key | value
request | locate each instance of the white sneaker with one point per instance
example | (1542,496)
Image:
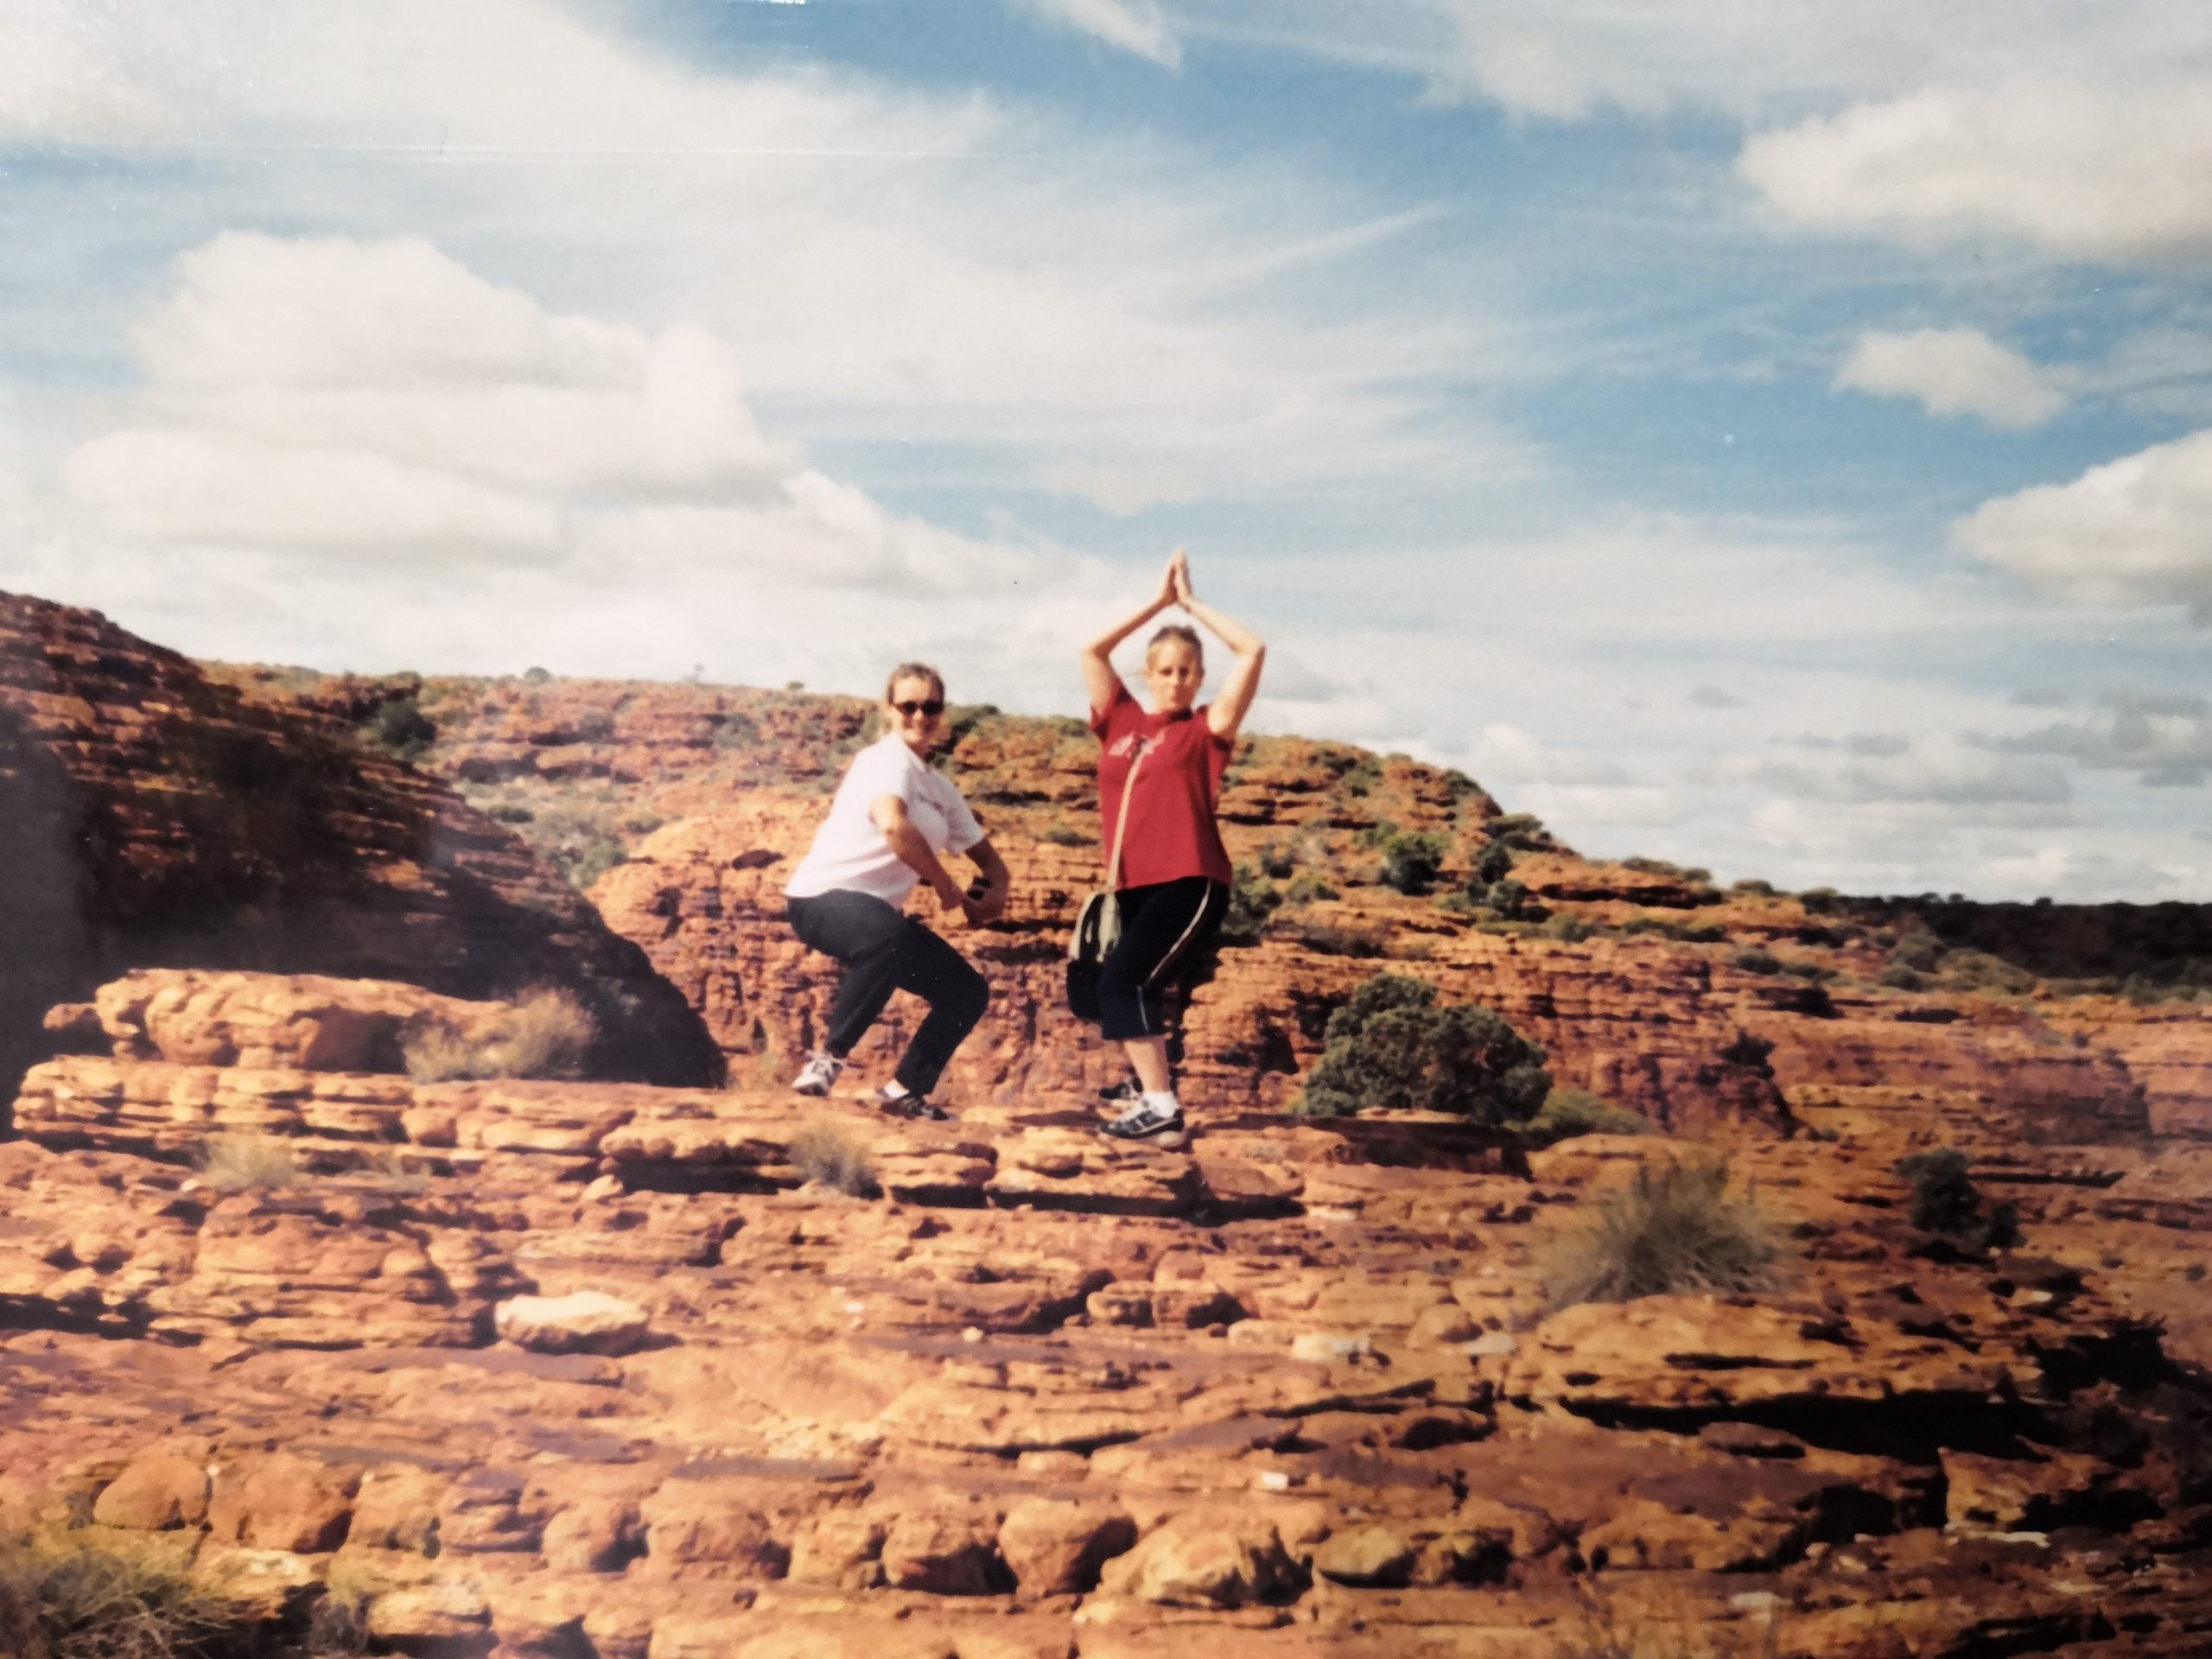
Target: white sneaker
(1151,1123)
(821,1072)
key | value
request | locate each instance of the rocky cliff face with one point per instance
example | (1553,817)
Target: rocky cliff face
(151,817)
(533,1369)
(525,1369)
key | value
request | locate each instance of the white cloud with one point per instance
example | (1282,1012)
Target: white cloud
(1953,371)
(2105,172)
(1938,770)
(1512,756)
(2136,531)
(1142,27)
(381,400)
(1123,491)
(884,263)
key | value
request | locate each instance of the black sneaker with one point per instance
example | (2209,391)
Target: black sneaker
(1126,1092)
(904,1103)
(1147,1125)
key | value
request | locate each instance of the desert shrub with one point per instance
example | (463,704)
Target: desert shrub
(1412,860)
(642,824)
(1494,863)
(546,1033)
(1804,967)
(1066,835)
(1675,1229)
(1898,977)
(1977,970)
(1523,831)
(1305,888)
(1946,1202)
(1252,899)
(1819,901)
(736,732)
(64,1597)
(509,812)
(1568,1112)
(241,1163)
(835,1155)
(1374,834)
(1498,901)
(1752,886)
(1755,960)
(1276,860)
(1333,939)
(535,676)
(1572,929)
(1392,1047)
(595,859)
(400,726)
(1918,951)
(1651,865)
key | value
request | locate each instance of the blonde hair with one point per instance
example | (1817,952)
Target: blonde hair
(1189,636)
(915,671)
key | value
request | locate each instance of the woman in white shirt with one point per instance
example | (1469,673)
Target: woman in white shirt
(891,823)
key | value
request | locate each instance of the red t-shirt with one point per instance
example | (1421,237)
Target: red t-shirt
(1171,833)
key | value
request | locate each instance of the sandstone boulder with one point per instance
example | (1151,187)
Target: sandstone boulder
(582,1322)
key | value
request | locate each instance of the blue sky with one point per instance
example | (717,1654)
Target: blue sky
(1746,434)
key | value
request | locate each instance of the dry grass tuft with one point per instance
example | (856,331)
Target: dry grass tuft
(63,1596)
(1675,1229)
(835,1155)
(386,1168)
(242,1163)
(546,1035)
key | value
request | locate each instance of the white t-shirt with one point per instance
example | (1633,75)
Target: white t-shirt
(850,854)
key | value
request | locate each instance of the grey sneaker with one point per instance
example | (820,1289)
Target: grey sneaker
(1147,1124)
(819,1075)
(1126,1092)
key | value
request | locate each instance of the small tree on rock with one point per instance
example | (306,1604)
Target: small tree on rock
(1392,1047)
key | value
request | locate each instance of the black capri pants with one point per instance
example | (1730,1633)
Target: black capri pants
(1166,929)
(884,950)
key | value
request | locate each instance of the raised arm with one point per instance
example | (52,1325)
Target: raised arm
(1227,711)
(1099,678)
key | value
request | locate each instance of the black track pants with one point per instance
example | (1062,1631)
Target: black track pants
(1165,930)
(884,950)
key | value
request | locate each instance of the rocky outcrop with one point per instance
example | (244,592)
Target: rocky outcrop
(150,816)
(558,1368)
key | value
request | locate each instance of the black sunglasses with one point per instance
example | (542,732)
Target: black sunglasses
(931,706)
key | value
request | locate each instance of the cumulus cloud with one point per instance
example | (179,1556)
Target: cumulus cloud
(1935,772)
(2136,531)
(2166,741)
(1953,371)
(1711,696)
(1513,756)
(1142,27)
(380,400)
(2120,172)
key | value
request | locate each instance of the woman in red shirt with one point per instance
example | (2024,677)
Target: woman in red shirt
(1172,884)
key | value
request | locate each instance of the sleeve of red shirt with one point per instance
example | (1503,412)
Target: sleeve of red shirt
(1225,744)
(1103,719)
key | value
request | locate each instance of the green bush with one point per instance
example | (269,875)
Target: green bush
(1571,928)
(1675,1230)
(1946,1202)
(401,726)
(1392,1047)
(1493,864)
(1570,1112)
(1523,831)
(1305,888)
(1755,960)
(1252,899)
(1753,886)
(1898,977)
(1819,901)
(1412,861)
(1277,861)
